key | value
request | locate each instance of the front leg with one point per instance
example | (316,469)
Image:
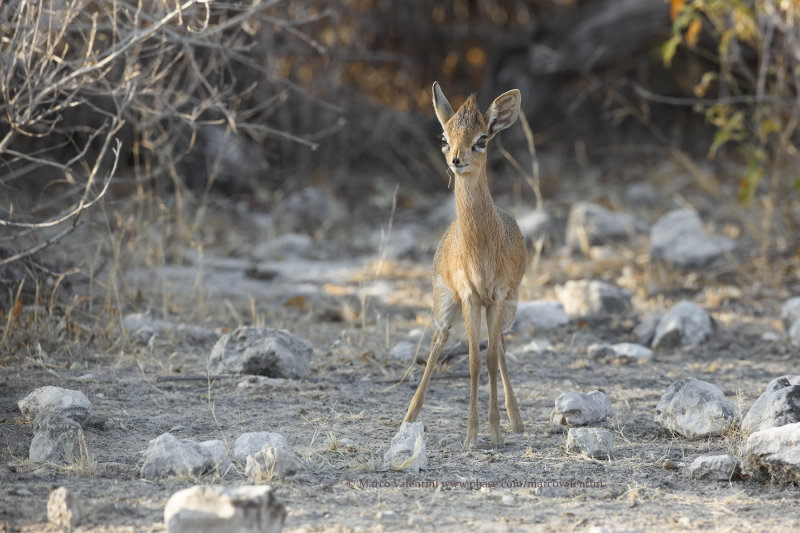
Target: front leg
(472,318)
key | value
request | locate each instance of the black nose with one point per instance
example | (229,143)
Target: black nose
(456,161)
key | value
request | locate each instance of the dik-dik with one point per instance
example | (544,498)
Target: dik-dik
(480,259)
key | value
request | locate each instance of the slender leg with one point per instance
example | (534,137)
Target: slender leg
(494,314)
(512,408)
(439,338)
(472,318)
(445,309)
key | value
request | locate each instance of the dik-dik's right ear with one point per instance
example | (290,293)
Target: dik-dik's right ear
(444,111)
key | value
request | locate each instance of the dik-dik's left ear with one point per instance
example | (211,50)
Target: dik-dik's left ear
(444,111)
(503,112)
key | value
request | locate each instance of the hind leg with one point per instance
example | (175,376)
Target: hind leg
(512,408)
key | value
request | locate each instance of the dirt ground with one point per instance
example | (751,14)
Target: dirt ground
(354,301)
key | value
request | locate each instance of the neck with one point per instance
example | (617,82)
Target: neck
(475,211)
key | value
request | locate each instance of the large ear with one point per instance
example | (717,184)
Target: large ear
(503,112)
(444,111)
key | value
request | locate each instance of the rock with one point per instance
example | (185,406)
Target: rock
(790,312)
(684,324)
(168,455)
(310,210)
(218,453)
(600,350)
(64,508)
(770,336)
(776,452)
(596,443)
(646,330)
(536,225)
(144,328)
(55,439)
(695,409)
(679,238)
(794,332)
(539,314)
(590,224)
(593,300)
(632,352)
(250,443)
(407,450)
(538,346)
(777,406)
(263,351)
(272,462)
(714,467)
(263,382)
(581,408)
(245,509)
(641,194)
(404,352)
(56,401)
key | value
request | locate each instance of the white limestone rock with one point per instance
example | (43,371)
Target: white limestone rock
(685,324)
(262,351)
(56,401)
(592,224)
(593,300)
(695,409)
(407,450)
(790,312)
(539,315)
(581,408)
(596,443)
(272,462)
(720,467)
(55,439)
(245,509)
(776,452)
(678,238)
(250,443)
(64,508)
(168,455)
(777,406)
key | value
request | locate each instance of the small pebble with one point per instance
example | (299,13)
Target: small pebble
(669,465)
(24,492)
(508,499)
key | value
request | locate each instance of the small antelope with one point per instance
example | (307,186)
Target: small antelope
(480,259)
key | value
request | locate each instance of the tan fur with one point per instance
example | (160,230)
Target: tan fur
(479,262)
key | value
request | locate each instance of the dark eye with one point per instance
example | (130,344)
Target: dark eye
(480,143)
(444,140)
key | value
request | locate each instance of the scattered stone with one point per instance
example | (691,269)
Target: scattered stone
(404,352)
(272,462)
(508,499)
(794,332)
(538,346)
(679,238)
(593,300)
(641,194)
(695,409)
(628,351)
(670,465)
(250,443)
(596,443)
(776,452)
(144,328)
(590,224)
(790,312)
(168,455)
(245,509)
(714,468)
(263,351)
(770,336)
(56,401)
(685,324)
(24,492)
(600,350)
(646,330)
(539,314)
(407,450)
(55,439)
(581,408)
(310,210)
(64,508)
(777,406)
(536,225)
(218,453)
